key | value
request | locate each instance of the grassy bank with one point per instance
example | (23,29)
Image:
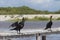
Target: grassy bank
(34,19)
(58,18)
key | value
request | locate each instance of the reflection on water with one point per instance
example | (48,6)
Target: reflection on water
(4,26)
(25,38)
(53,37)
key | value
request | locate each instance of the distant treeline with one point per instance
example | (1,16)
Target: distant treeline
(23,10)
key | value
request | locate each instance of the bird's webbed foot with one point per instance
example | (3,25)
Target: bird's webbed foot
(20,33)
(50,30)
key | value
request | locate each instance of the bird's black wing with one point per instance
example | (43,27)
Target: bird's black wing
(13,24)
(49,24)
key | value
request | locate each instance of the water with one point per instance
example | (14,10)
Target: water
(4,26)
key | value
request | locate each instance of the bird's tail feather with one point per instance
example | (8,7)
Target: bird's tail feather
(11,29)
(45,28)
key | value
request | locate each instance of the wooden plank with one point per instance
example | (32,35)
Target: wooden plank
(30,33)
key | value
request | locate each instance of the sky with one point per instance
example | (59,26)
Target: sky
(50,5)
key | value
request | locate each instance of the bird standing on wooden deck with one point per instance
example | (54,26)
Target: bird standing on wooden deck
(18,26)
(49,24)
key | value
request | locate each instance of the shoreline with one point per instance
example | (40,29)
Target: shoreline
(11,17)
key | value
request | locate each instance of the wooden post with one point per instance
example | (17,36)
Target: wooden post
(43,37)
(38,36)
(4,38)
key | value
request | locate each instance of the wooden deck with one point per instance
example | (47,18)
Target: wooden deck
(30,32)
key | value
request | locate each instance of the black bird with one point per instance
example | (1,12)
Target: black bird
(19,26)
(49,24)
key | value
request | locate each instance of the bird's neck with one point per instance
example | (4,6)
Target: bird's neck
(50,19)
(23,21)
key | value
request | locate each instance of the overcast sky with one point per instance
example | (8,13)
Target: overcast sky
(50,5)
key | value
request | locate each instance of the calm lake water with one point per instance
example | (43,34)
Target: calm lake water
(4,26)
